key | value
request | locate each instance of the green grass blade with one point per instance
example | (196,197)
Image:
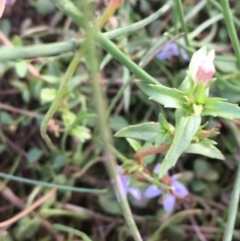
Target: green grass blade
(45,50)
(50,185)
(182,20)
(228,17)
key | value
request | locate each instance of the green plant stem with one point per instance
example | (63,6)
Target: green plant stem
(68,230)
(119,94)
(204,25)
(182,20)
(50,185)
(86,167)
(106,140)
(178,217)
(72,11)
(67,77)
(11,172)
(45,50)
(154,181)
(228,16)
(233,208)
(59,96)
(119,155)
(218,6)
(111,48)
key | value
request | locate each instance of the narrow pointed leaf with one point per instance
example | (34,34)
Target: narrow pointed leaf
(186,127)
(169,97)
(163,122)
(206,149)
(215,107)
(146,131)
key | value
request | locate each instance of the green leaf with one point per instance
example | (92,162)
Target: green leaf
(23,87)
(44,7)
(216,107)
(6,118)
(200,166)
(109,204)
(205,148)
(203,170)
(169,97)
(163,122)
(146,131)
(186,127)
(2,148)
(51,79)
(198,186)
(17,41)
(59,161)
(225,66)
(34,155)
(163,138)
(21,68)
(134,144)
(47,95)
(81,132)
(211,175)
(117,122)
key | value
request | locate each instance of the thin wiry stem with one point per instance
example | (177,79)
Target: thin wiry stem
(228,17)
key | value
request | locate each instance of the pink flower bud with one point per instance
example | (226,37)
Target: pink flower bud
(206,69)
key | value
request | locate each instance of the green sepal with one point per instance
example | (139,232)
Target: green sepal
(197,109)
(199,93)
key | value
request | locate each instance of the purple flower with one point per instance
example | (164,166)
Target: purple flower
(125,180)
(177,187)
(172,49)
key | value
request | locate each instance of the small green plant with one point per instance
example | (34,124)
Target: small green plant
(190,133)
(192,102)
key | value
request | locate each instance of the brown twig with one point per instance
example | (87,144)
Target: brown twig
(24,112)
(149,151)
(25,212)
(196,228)
(8,194)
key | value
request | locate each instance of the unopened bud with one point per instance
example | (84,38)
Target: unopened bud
(206,69)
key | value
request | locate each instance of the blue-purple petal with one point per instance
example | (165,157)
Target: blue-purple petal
(172,49)
(179,189)
(157,168)
(169,203)
(135,192)
(184,55)
(124,179)
(152,191)
(164,55)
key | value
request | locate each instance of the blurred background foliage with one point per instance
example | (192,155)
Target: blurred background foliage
(27,88)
